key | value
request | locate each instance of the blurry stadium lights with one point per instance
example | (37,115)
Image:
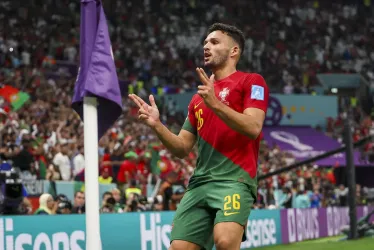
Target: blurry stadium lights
(11,49)
(334,90)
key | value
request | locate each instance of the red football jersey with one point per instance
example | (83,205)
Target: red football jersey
(224,154)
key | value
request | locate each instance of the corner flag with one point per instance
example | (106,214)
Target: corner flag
(97,100)
(97,76)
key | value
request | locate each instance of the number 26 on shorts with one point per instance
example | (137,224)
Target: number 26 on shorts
(232,202)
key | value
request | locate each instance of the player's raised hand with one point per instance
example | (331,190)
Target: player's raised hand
(148,114)
(206,91)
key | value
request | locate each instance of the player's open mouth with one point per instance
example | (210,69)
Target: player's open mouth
(206,56)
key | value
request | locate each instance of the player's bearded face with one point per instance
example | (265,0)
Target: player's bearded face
(216,50)
(217,58)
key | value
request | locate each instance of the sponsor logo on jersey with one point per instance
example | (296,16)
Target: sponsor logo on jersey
(197,105)
(257,93)
(228,213)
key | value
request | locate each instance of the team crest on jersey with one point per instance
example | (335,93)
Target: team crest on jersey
(223,94)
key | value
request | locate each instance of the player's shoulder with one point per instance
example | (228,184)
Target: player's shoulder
(194,99)
(252,78)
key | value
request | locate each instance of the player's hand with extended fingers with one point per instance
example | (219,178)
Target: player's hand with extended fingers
(148,114)
(206,91)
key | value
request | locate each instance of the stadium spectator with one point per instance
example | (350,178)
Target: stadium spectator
(46,205)
(118,207)
(316,198)
(289,44)
(79,203)
(170,199)
(105,197)
(127,169)
(108,205)
(105,177)
(287,202)
(65,207)
(133,204)
(342,194)
(22,158)
(62,161)
(302,199)
(78,161)
(132,189)
(53,173)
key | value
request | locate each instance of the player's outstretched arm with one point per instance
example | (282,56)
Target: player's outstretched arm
(179,145)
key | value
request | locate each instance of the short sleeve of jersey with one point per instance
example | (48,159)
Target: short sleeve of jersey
(190,122)
(256,92)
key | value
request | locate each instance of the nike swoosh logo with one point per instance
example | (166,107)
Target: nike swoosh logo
(196,105)
(228,214)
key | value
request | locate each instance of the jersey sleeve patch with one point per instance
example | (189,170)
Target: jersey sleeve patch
(257,93)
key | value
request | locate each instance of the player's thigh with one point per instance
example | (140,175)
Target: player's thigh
(192,222)
(183,245)
(232,202)
(228,235)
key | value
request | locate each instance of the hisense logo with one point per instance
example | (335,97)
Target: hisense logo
(154,235)
(58,240)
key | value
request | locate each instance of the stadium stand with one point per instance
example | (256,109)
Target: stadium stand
(289,43)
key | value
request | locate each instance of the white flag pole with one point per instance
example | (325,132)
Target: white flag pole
(91,148)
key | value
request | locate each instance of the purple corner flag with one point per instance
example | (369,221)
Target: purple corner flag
(97,76)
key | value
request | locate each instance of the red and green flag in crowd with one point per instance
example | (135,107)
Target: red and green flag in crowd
(155,161)
(42,167)
(14,96)
(160,165)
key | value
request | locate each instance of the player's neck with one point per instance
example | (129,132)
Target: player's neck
(222,73)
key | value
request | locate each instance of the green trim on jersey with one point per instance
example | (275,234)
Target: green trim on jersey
(213,166)
(188,126)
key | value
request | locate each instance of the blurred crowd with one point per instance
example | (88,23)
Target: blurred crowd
(362,126)
(156,45)
(309,186)
(159,41)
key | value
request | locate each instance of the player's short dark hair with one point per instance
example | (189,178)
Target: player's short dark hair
(236,34)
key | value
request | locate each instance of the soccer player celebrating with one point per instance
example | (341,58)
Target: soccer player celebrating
(225,117)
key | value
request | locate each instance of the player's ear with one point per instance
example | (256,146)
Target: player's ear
(235,51)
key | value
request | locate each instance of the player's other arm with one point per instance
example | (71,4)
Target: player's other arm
(179,145)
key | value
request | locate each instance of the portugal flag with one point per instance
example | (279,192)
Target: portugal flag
(159,163)
(42,167)
(155,161)
(15,97)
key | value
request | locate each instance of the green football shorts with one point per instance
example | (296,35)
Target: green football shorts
(204,206)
